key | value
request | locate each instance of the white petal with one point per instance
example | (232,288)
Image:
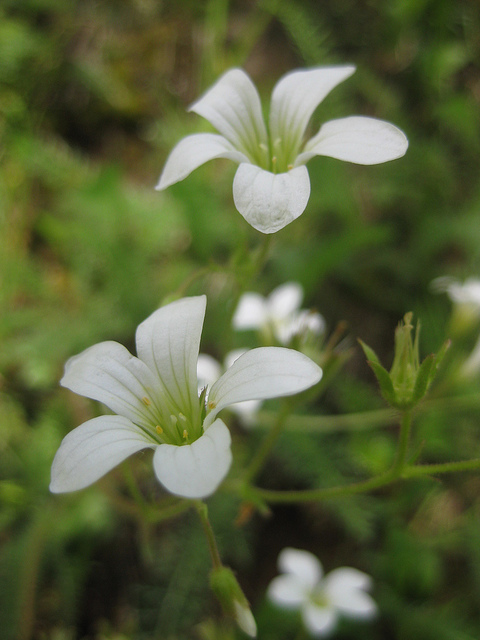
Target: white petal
(345,588)
(295,98)
(209,370)
(319,621)
(107,372)
(233,106)
(287,592)
(267,372)
(250,312)
(168,342)
(270,201)
(195,470)
(193,151)
(91,450)
(357,139)
(306,567)
(285,299)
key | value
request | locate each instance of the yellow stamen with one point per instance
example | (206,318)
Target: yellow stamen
(185,434)
(159,429)
(290,167)
(146,401)
(211,405)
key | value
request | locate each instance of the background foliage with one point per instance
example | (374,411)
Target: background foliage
(93,95)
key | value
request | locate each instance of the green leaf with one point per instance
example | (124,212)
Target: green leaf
(385,382)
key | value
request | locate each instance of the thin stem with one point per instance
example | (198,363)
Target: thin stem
(315,495)
(418,471)
(403,442)
(202,511)
(364,420)
(266,446)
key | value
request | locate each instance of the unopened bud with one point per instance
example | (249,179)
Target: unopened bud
(225,586)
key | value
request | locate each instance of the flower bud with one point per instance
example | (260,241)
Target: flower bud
(408,380)
(225,586)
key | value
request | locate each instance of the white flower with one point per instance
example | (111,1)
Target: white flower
(157,404)
(321,599)
(271,187)
(461,293)
(209,371)
(279,314)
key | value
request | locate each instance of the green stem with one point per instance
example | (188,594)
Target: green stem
(403,442)
(202,511)
(315,495)
(266,446)
(421,470)
(364,420)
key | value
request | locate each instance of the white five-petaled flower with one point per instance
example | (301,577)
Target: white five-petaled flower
(321,599)
(156,402)
(279,315)
(271,186)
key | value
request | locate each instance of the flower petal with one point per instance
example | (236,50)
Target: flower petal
(91,450)
(287,592)
(345,588)
(356,139)
(319,621)
(168,342)
(306,567)
(193,151)
(266,372)
(270,201)
(285,300)
(195,470)
(250,312)
(295,98)
(233,106)
(107,372)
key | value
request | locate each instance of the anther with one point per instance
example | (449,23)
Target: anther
(146,401)
(159,429)
(211,405)
(185,434)
(290,167)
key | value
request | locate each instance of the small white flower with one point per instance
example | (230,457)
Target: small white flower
(271,187)
(156,401)
(279,314)
(209,371)
(321,599)
(465,293)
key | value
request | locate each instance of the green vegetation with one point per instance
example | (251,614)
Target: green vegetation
(93,96)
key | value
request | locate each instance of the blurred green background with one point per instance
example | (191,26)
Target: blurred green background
(93,95)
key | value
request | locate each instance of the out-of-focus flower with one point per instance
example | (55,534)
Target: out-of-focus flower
(209,371)
(155,397)
(463,293)
(279,315)
(272,187)
(466,301)
(320,598)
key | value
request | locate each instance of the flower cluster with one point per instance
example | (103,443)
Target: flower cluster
(271,186)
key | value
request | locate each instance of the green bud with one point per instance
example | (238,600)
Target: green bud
(408,380)
(225,586)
